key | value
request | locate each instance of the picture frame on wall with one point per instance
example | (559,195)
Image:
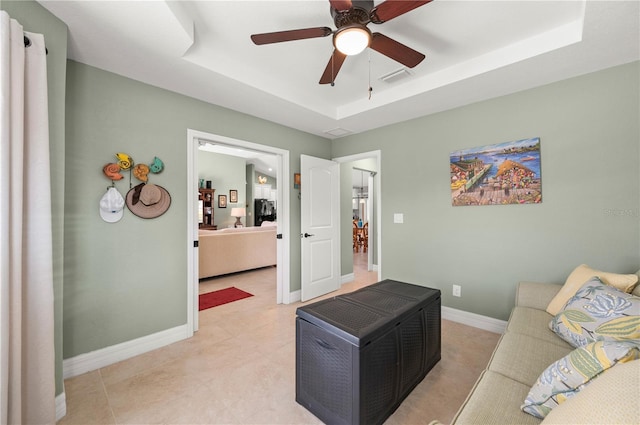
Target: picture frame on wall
(222,201)
(296,180)
(233,196)
(498,174)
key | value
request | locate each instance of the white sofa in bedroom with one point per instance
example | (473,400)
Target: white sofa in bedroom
(569,356)
(235,249)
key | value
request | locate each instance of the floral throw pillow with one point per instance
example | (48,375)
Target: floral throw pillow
(569,375)
(598,312)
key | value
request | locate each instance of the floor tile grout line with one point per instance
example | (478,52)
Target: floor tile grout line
(106,394)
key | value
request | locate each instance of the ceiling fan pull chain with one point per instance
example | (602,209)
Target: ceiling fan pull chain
(370,88)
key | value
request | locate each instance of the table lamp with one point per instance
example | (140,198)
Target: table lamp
(237,213)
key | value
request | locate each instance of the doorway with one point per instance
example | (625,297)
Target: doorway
(362,213)
(371,163)
(194,139)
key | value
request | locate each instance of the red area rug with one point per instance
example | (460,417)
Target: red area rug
(223,296)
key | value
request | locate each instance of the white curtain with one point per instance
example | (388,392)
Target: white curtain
(27,368)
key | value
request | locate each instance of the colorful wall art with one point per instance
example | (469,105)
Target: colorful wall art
(501,174)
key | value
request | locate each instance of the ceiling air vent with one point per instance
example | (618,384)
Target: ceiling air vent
(338,132)
(397,75)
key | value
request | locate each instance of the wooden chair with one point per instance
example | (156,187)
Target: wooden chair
(365,236)
(355,235)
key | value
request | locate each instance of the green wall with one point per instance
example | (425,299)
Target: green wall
(35,18)
(226,173)
(128,279)
(591,191)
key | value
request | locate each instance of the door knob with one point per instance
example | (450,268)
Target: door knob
(306,235)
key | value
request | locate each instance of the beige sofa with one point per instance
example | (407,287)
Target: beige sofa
(233,250)
(525,350)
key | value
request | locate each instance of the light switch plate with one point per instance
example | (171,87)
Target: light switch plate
(398,218)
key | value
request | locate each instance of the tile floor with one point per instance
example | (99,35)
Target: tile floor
(239,368)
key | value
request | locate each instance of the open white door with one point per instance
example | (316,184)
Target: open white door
(320,226)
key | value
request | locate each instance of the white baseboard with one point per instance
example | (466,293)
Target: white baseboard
(97,359)
(61,406)
(346,278)
(476,320)
(295,296)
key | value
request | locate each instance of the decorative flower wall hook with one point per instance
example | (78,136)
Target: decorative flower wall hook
(156,166)
(124,161)
(112,171)
(141,172)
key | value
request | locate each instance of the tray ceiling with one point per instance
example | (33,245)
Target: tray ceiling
(474,50)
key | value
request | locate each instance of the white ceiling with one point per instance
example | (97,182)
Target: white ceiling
(474,50)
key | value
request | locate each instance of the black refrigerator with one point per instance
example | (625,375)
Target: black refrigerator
(264,210)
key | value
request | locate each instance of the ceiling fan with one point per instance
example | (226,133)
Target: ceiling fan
(352,35)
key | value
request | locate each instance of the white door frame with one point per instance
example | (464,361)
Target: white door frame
(369,212)
(377,193)
(283,293)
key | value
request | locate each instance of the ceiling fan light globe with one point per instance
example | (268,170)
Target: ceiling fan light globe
(353,40)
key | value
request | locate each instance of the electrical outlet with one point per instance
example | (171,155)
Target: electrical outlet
(457,291)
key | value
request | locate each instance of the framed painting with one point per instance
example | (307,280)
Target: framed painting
(222,201)
(233,196)
(296,180)
(500,174)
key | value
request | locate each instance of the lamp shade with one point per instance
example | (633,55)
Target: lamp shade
(238,212)
(352,40)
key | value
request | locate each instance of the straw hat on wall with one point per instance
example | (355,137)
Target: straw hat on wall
(148,200)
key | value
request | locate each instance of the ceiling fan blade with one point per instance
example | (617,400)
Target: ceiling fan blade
(331,71)
(396,50)
(291,35)
(341,5)
(390,9)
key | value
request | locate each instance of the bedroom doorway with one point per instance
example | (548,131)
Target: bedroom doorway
(194,140)
(370,162)
(362,214)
